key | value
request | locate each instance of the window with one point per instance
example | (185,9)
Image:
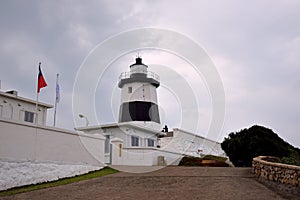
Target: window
(29,116)
(134,141)
(129,90)
(150,142)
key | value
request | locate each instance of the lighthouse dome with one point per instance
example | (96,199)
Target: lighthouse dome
(138,67)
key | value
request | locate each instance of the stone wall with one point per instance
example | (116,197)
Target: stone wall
(283,173)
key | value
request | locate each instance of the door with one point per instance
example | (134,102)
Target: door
(107,150)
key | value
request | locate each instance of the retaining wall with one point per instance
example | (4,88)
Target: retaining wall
(283,173)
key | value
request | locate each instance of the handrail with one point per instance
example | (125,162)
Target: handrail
(150,74)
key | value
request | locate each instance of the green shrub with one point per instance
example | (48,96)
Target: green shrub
(292,159)
(190,161)
(212,157)
(208,160)
(241,147)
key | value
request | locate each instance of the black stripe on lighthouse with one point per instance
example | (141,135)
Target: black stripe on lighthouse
(139,111)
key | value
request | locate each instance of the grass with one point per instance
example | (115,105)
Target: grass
(63,181)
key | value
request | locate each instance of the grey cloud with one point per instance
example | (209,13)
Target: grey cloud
(258,42)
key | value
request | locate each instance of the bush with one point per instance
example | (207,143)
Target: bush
(190,161)
(217,158)
(292,159)
(241,147)
(207,161)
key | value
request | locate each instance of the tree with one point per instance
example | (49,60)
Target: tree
(241,147)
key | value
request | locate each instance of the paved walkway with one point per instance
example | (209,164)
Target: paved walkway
(167,183)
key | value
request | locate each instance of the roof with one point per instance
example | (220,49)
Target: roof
(194,134)
(117,125)
(138,61)
(13,95)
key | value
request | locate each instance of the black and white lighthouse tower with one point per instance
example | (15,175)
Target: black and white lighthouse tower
(139,96)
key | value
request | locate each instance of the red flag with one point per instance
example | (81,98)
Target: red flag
(41,81)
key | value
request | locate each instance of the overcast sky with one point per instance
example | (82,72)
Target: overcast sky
(255,47)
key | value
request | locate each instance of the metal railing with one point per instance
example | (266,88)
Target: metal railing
(125,75)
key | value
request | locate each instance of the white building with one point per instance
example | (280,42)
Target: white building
(190,144)
(128,143)
(16,108)
(137,138)
(24,139)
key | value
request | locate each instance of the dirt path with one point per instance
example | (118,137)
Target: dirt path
(167,183)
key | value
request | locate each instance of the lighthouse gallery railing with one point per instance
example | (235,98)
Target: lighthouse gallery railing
(125,75)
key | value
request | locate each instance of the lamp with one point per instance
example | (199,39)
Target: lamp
(86,119)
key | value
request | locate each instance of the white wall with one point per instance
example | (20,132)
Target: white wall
(141,156)
(171,158)
(140,92)
(134,156)
(21,141)
(125,133)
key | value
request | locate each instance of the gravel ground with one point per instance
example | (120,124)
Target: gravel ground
(166,183)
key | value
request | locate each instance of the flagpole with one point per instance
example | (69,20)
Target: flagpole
(36,108)
(37,100)
(36,125)
(40,84)
(56,99)
(36,116)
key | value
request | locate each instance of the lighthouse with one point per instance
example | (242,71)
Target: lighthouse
(139,95)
